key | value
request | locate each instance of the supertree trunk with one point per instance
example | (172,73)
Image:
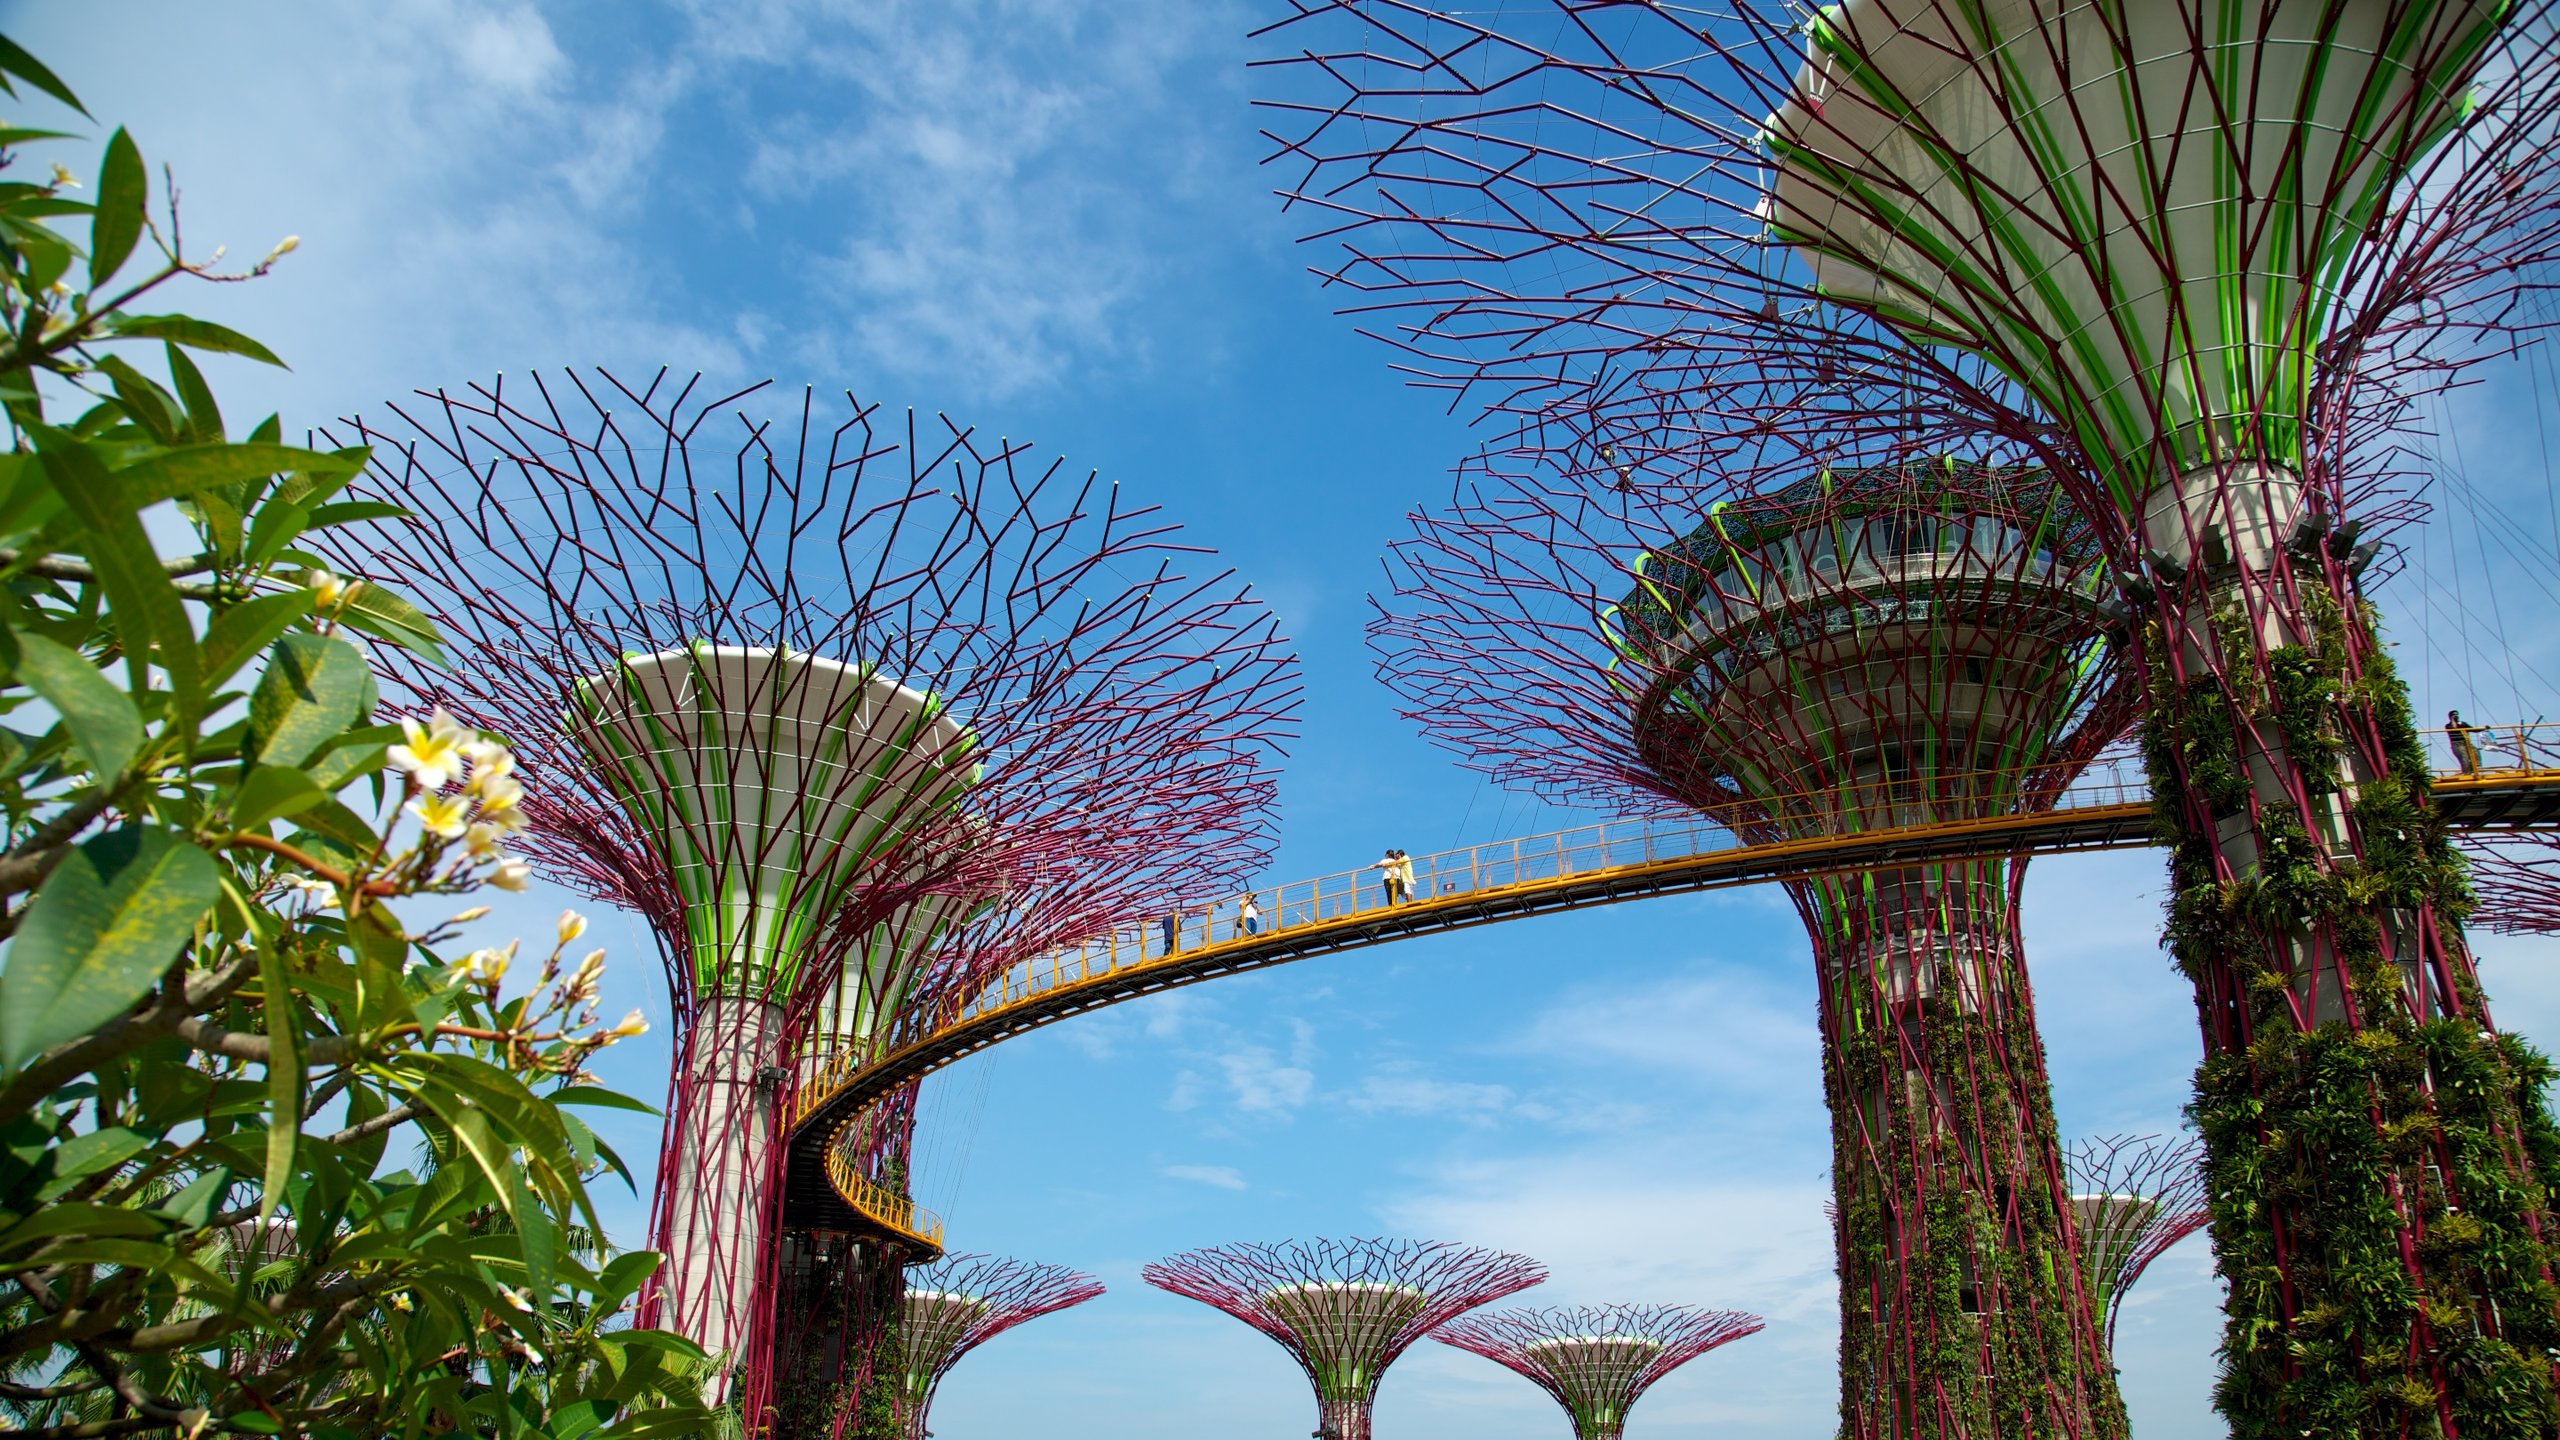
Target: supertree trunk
(1961,1311)
(1341,1419)
(2372,1144)
(715,1217)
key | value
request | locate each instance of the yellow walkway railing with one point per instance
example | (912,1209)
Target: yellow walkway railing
(882,1205)
(2106,805)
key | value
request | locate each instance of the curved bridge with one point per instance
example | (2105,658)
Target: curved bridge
(2107,808)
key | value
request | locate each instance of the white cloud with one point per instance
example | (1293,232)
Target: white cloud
(1262,1083)
(510,49)
(1223,1177)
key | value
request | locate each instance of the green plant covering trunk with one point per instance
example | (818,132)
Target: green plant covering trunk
(2375,1151)
(1961,1301)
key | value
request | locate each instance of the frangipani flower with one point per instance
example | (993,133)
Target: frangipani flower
(433,757)
(511,874)
(444,815)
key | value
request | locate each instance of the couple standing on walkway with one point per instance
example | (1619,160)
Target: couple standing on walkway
(1396,869)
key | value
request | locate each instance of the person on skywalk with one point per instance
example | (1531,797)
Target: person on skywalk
(2466,751)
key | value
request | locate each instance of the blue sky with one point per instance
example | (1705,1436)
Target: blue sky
(1047,219)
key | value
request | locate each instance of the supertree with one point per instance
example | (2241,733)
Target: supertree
(2197,262)
(1596,1360)
(1345,1309)
(1866,649)
(960,1302)
(2135,1196)
(851,714)
(2517,880)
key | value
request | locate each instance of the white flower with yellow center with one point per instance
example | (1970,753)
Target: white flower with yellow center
(448,816)
(433,757)
(511,874)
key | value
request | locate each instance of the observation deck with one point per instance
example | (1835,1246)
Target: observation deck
(2108,807)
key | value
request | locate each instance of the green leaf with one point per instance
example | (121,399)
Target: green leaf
(147,612)
(601,1098)
(270,791)
(194,1206)
(101,718)
(80,1219)
(123,191)
(107,925)
(193,333)
(284,1075)
(385,614)
(14,61)
(338,828)
(82,1156)
(623,1276)
(204,417)
(248,628)
(151,407)
(315,687)
(172,473)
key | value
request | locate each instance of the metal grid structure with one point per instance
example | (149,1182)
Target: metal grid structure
(2135,1196)
(1865,650)
(961,1302)
(2197,262)
(1596,1360)
(2516,877)
(1345,1309)
(854,712)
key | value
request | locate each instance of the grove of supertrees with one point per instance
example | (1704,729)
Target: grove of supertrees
(1863,650)
(2135,1196)
(1345,1309)
(959,1303)
(2196,262)
(1596,1360)
(853,711)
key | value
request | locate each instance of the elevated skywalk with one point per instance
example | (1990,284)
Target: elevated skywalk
(2106,807)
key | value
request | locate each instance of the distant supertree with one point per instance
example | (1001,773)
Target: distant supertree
(1865,649)
(1596,1360)
(2135,1195)
(852,715)
(2198,262)
(960,1302)
(1345,1309)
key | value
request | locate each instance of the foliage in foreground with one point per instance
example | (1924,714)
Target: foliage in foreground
(270,1162)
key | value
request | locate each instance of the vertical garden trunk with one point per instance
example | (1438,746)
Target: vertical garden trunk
(2375,1150)
(1963,1313)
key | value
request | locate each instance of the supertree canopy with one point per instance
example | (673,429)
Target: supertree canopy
(1596,1360)
(960,1302)
(2197,262)
(2135,1196)
(1345,1309)
(852,714)
(1893,646)
(2517,879)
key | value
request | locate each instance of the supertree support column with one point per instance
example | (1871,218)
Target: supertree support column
(2134,1196)
(960,1302)
(1897,645)
(1596,1360)
(822,689)
(1345,1309)
(2202,284)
